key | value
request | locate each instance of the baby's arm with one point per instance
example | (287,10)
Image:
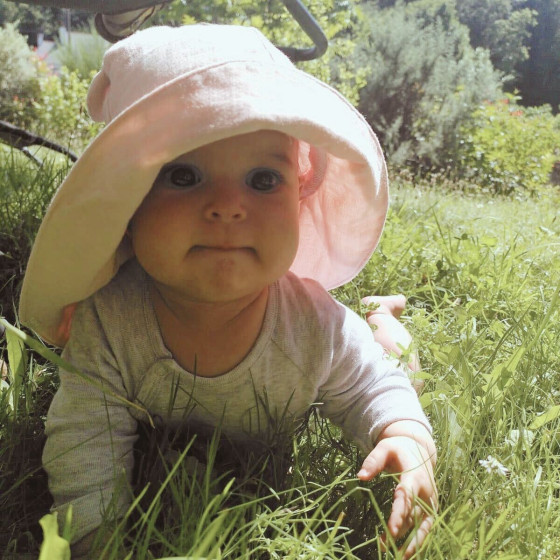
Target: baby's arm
(90,432)
(406,448)
(372,399)
(88,454)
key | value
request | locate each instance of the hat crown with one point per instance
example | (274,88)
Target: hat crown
(150,59)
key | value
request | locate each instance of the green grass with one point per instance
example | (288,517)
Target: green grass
(482,275)
(26,188)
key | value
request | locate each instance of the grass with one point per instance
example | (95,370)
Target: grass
(482,275)
(26,188)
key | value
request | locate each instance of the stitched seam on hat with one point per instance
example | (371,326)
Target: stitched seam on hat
(266,44)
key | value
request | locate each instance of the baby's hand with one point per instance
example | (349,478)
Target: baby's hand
(408,449)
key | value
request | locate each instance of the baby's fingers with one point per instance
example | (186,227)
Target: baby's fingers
(403,513)
(374,463)
(413,499)
(419,536)
(408,515)
(391,305)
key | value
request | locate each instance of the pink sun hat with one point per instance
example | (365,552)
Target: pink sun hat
(167,91)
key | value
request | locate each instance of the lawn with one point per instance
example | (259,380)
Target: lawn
(482,274)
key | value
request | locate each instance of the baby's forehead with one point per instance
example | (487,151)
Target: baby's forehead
(268,143)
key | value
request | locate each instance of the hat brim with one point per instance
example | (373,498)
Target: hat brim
(79,246)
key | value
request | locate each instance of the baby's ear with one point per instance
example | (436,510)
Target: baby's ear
(126,247)
(312,169)
(125,250)
(301,182)
(65,324)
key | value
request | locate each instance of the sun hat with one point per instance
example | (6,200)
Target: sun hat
(166,91)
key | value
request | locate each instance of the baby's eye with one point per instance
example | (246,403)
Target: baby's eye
(180,176)
(264,180)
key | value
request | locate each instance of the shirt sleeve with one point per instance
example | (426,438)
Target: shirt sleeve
(90,432)
(365,391)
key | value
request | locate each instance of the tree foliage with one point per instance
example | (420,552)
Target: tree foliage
(30,17)
(424,80)
(27,16)
(502,27)
(539,80)
(523,37)
(19,77)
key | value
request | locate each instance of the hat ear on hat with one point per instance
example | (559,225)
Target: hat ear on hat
(97,95)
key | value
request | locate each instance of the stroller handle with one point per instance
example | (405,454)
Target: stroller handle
(116,19)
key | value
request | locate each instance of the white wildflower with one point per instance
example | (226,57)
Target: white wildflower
(527,436)
(492,465)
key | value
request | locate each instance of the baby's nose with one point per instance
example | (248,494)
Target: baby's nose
(226,205)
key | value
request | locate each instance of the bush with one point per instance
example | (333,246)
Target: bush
(59,112)
(508,147)
(52,106)
(34,98)
(19,76)
(424,82)
(82,53)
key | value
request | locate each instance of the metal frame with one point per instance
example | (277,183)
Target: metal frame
(115,19)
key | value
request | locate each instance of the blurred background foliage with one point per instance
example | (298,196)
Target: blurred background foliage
(425,80)
(431,76)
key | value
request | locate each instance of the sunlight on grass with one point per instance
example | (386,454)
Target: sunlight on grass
(482,276)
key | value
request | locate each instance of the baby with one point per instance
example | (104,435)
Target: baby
(184,262)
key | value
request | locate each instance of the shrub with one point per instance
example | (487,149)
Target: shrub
(508,147)
(82,53)
(60,112)
(18,78)
(34,98)
(424,81)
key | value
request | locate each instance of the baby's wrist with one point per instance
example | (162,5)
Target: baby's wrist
(412,430)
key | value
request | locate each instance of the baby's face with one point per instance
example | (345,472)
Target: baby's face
(222,222)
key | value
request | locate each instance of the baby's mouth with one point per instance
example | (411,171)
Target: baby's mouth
(220,248)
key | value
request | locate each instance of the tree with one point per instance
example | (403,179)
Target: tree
(424,80)
(502,27)
(539,75)
(30,17)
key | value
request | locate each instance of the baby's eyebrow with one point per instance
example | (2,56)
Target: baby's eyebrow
(282,157)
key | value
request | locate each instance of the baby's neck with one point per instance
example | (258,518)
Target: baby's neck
(210,339)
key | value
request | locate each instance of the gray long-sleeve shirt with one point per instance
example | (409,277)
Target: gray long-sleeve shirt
(311,349)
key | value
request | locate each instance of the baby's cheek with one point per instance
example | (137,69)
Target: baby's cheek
(291,243)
